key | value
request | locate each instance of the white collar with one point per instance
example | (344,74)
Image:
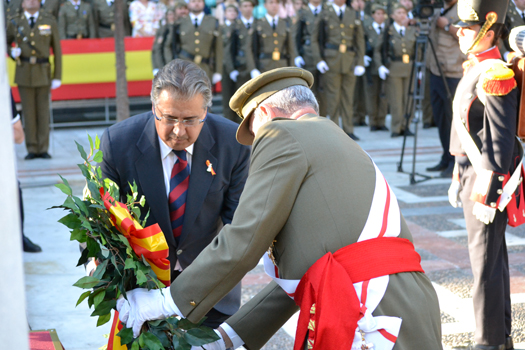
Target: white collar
(339,9)
(245,21)
(227,22)
(313,8)
(377,25)
(399,28)
(75,3)
(35,15)
(110,2)
(199,17)
(270,19)
(165,150)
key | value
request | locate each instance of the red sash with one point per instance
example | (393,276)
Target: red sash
(329,304)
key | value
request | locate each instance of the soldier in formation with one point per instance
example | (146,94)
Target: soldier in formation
(360,94)
(104,17)
(75,20)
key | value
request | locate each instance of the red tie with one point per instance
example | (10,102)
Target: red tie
(180,178)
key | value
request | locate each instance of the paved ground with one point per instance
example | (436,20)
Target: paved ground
(438,230)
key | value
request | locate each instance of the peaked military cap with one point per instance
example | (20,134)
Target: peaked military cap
(252,93)
(472,12)
(376,7)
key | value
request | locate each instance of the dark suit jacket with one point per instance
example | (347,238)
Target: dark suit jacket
(131,153)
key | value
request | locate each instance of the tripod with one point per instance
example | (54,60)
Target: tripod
(416,94)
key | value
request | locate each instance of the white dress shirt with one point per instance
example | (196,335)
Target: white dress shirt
(246,21)
(400,28)
(313,8)
(35,15)
(199,17)
(168,161)
(339,9)
(377,26)
(270,20)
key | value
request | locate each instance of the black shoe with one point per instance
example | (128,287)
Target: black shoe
(362,123)
(30,247)
(407,132)
(396,134)
(44,155)
(509,344)
(374,128)
(382,128)
(30,156)
(427,126)
(352,136)
(447,173)
(439,167)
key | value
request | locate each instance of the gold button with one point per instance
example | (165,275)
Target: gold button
(500,191)
(197,41)
(276,42)
(33,43)
(501,178)
(275,35)
(197,49)
(193,303)
(343,41)
(197,33)
(32,34)
(342,25)
(33,52)
(404,50)
(493,205)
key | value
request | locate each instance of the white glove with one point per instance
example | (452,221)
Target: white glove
(16,52)
(359,70)
(506,56)
(233,75)
(484,213)
(453,194)
(368,60)
(299,62)
(322,67)
(144,305)
(254,73)
(55,84)
(383,72)
(155,71)
(216,345)
(216,77)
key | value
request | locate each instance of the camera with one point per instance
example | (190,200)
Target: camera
(425,8)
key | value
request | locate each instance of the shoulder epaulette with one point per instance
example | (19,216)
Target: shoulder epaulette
(498,80)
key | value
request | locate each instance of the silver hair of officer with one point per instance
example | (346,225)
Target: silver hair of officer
(291,99)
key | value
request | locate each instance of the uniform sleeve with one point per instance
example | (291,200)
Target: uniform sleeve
(238,180)
(378,57)
(57,51)
(227,42)
(296,32)
(62,22)
(360,44)
(91,23)
(292,52)
(167,50)
(10,36)
(218,50)
(316,44)
(157,61)
(277,168)
(248,43)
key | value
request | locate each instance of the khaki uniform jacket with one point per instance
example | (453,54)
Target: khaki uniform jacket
(238,53)
(72,23)
(372,41)
(104,17)
(196,44)
(310,189)
(331,36)
(42,38)
(53,7)
(514,17)
(302,35)
(397,47)
(11,9)
(266,42)
(157,56)
(447,49)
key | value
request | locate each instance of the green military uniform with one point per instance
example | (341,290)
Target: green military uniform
(361,91)
(513,16)
(33,74)
(238,56)
(397,54)
(202,45)
(387,4)
(273,48)
(76,22)
(52,6)
(375,97)
(12,8)
(104,18)
(157,56)
(302,37)
(341,44)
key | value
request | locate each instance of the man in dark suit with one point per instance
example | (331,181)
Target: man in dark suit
(150,148)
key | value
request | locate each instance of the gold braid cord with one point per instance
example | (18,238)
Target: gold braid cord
(492,17)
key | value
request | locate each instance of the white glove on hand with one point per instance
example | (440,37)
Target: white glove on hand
(453,194)
(359,71)
(484,213)
(233,75)
(299,62)
(55,84)
(16,52)
(368,60)
(322,67)
(155,71)
(216,345)
(383,72)
(216,77)
(144,305)
(254,73)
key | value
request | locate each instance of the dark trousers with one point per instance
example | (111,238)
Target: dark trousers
(35,111)
(442,110)
(21,209)
(490,268)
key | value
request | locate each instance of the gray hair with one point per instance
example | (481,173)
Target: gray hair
(291,99)
(184,80)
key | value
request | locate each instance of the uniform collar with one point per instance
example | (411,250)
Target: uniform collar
(199,17)
(246,21)
(473,59)
(270,19)
(227,22)
(313,8)
(339,9)
(399,28)
(377,25)
(75,3)
(28,15)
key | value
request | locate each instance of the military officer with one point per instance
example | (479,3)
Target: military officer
(52,6)
(75,20)
(302,38)
(273,45)
(11,8)
(487,153)
(299,158)
(104,18)
(157,57)
(34,33)
(338,46)
(228,84)
(376,101)
(196,38)
(360,91)
(395,58)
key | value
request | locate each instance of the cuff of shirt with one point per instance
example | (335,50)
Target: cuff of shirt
(234,337)
(169,304)
(15,119)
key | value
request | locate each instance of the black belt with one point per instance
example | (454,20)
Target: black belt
(269,55)
(34,60)
(192,57)
(336,47)
(75,36)
(396,59)
(107,26)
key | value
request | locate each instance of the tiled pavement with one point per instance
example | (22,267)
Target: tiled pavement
(438,230)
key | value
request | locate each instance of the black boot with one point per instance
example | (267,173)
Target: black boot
(30,247)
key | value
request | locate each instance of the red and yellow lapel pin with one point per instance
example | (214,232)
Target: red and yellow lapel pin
(210,168)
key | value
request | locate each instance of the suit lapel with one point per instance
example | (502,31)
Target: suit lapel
(200,179)
(151,179)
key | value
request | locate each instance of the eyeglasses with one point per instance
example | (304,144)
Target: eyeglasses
(187,123)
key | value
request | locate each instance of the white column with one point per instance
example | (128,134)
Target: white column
(13,320)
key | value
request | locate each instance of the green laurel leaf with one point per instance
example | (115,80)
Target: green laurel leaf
(83,296)
(87,282)
(103,319)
